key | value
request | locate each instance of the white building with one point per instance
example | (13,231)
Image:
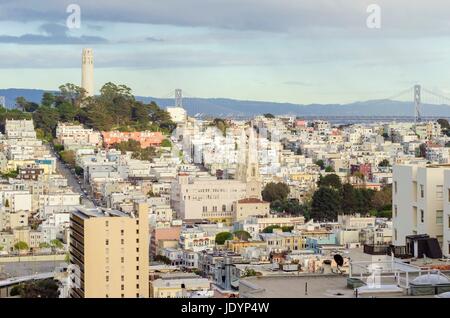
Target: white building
(418,198)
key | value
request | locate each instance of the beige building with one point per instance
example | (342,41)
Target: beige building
(213,199)
(250,207)
(111,249)
(180,285)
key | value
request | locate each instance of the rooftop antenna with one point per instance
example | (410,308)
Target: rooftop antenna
(179,98)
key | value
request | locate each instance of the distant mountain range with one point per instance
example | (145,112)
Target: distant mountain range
(224,107)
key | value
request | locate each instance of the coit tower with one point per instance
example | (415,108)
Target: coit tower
(87,71)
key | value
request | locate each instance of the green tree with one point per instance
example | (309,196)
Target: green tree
(44,245)
(270,228)
(48,99)
(21,103)
(56,244)
(275,191)
(321,164)
(46,118)
(384,163)
(242,235)
(329,169)
(348,199)
(330,180)
(268,115)
(222,237)
(20,246)
(444,123)
(46,288)
(68,156)
(166,143)
(326,204)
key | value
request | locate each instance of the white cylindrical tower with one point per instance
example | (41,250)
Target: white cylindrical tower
(87,71)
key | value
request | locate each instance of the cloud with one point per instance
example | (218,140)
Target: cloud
(54,34)
(266,15)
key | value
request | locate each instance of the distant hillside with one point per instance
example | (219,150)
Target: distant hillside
(223,107)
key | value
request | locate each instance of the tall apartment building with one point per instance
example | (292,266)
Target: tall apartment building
(111,249)
(420,195)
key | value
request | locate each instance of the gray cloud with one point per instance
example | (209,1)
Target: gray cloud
(322,16)
(53,34)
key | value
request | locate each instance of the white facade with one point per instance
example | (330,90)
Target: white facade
(418,202)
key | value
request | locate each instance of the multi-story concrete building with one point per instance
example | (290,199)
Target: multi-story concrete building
(111,250)
(418,198)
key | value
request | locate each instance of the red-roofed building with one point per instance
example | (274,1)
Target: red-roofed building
(145,138)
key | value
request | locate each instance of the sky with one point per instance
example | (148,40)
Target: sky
(299,51)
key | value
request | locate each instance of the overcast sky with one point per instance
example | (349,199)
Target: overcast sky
(301,51)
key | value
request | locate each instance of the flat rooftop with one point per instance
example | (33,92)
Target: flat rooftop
(318,286)
(98,212)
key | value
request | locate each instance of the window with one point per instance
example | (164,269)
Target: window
(395,210)
(395,187)
(395,234)
(439,192)
(122,278)
(122,241)
(137,286)
(107,242)
(107,278)
(439,217)
(224,208)
(205,209)
(422,216)
(422,191)
(122,232)
(122,260)
(106,223)
(122,287)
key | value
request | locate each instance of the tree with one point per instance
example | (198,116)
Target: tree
(321,164)
(384,163)
(422,150)
(330,180)
(348,199)
(44,245)
(275,191)
(270,228)
(287,228)
(164,259)
(47,119)
(329,169)
(71,93)
(79,171)
(326,204)
(56,244)
(166,143)
(21,103)
(222,237)
(68,156)
(46,288)
(268,115)
(20,246)
(382,200)
(444,123)
(242,235)
(48,99)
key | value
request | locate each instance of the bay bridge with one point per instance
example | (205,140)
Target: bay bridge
(419,99)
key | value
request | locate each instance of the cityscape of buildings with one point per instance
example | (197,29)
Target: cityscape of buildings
(106,195)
